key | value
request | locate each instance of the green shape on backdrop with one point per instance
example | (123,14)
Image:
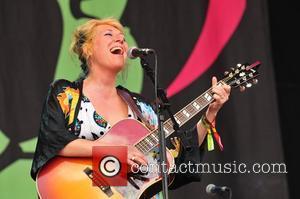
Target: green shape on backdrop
(68,66)
(3,142)
(28,145)
(15,181)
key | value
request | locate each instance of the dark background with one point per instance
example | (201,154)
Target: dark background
(285,42)
(256,126)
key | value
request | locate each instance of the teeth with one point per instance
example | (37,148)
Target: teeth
(116,50)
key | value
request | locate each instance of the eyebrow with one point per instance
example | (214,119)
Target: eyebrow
(110,30)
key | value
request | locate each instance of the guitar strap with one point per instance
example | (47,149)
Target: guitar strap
(127,97)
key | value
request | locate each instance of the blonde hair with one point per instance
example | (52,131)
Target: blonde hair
(83,36)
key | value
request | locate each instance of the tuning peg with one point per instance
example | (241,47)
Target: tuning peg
(239,65)
(242,88)
(226,73)
(248,85)
(236,71)
(255,81)
(242,74)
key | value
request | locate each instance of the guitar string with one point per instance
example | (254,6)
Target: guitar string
(181,117)
(201,101)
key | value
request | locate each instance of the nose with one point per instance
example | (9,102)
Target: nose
(119,38)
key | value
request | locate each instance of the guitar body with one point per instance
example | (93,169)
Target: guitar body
(64,177)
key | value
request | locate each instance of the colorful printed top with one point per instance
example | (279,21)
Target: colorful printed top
(91,125)
(65,111)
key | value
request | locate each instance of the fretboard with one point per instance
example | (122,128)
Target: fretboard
(239,76)
(182,116)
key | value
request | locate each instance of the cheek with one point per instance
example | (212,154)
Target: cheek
(126,46)
(126,50)
(99,51)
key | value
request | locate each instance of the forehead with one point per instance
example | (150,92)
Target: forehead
(108,28)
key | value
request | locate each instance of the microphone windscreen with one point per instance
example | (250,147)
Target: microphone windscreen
(130,54)
(209,188)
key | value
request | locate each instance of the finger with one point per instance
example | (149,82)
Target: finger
(133,167)
(218,99)
(219,91)
(140,155)
(130,162)
(227,88)
(214,81)
(222,90)
(135,151)
(141,160)
(173,141)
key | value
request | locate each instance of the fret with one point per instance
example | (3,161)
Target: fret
(151,142)
(140,148)
(196,105)
(177,120)
(169,125)
(154,137)
(186,113)
(182,117)
(207,96)
(143,146)
(166,130)
(191,110)
(151,139)
(203,102)
(146,144)
(137,146)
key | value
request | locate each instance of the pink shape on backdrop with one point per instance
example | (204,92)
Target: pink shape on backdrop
(222,19)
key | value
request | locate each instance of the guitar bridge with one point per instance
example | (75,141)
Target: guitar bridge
(106,189)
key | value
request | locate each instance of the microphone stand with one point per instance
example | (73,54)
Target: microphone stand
(226,194)
(162,104)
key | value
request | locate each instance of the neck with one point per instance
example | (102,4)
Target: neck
(101,81)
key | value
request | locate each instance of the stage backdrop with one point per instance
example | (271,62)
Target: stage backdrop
(194,40)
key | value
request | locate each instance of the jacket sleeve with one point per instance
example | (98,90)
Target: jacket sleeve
(53,134)
(189,159)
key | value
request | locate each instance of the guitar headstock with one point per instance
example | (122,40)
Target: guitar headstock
(243,75)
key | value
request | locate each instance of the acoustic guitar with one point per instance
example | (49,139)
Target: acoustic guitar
(64,177)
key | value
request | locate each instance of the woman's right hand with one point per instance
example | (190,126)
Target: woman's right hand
(135,158)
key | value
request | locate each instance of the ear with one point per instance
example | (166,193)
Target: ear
(87,50)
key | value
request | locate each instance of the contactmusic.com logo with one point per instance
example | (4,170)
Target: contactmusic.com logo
(110,166)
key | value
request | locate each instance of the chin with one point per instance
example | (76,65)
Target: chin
(119,68)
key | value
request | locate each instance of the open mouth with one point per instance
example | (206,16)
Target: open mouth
(117,50)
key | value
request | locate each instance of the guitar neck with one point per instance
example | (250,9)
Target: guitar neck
(181,117)
(189,111)
(239,76)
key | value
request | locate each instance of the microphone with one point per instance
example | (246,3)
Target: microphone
(135,52)
(213,189)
